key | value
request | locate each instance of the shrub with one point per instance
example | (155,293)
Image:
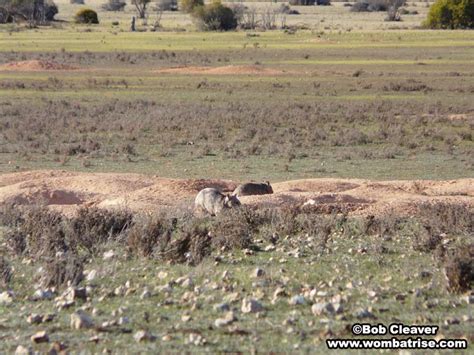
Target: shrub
(86,16)
(92,227)
(215,17)
(77,2)
(371,5)
(149,235)
(62,269)
(189,5)
(31,11)
(5,273)
(459,269)
(323,2)
(451,14)
(302,2)
(114,5)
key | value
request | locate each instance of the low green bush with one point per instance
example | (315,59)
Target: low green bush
(451,14)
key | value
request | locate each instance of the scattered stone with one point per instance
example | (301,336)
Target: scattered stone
(425,274)
(166,337)
(186,318)
(269,247)
(222,307)
(91,275)
(297,300)
(40,337)
(109,255)
(74,294)
(232,297)
(80,320)
(451,321)
(143,335)
(43,295)
(319,309)
(469,299)
(56,348)
(162,275)
(123,320)
(251,306)
(229,318)
(364,313)
(258,272)
(21,350)
(146,294)
(6,298)
(196,339)
(34,319)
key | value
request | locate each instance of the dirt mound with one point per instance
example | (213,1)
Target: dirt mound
(67,191)
(225,70)
(36,65)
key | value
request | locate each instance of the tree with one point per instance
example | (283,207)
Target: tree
(141,6)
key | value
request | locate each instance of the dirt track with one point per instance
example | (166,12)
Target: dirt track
(67,191)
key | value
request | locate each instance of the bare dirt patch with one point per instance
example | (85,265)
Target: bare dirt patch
(225,70)
(36,65)
(68,191)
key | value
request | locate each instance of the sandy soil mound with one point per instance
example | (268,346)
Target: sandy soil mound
(36,65)
(67,191)
(225,70)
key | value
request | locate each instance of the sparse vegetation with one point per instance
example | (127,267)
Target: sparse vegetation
(87,16)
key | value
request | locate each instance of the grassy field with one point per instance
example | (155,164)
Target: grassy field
(355,97)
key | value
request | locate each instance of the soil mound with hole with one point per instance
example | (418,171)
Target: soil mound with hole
(68,191)
(36,65)
(225,70)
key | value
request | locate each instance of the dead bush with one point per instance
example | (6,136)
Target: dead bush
(192,244)
(459,269)
(92,227)
(447,218)
(150,234)
(62,269)
(232,230)
(6,273)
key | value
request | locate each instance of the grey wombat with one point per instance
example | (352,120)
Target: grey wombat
(213,201)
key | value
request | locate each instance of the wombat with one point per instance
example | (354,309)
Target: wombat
(253,188)
(213,201)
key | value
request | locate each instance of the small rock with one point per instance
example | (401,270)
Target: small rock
(123,320)
(91,275)
(109,255)
(146,294)
(75,294)
(251,306)
(186,318)
(80,320)
(34,319)
(6,298)
(40,337)
(451,320)
(222,307)
(297,300)
(364,313)
(323,308)
(21,350)
(229,318)
(43,295)
(258,272)
(56,348)
(269,247)
(469,299)
(143,335)
(196,339)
